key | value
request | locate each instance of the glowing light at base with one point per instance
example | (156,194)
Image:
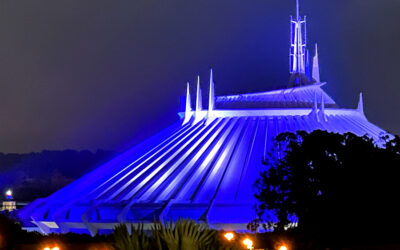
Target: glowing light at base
(229,236)
(248,243)
(283,247)
(54,248)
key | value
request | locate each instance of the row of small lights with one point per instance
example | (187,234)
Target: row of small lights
(248,242)
(229,236)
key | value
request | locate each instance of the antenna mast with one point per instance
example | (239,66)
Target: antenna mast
(298,43)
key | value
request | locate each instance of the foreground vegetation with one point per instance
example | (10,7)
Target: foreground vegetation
(340,189)
(184,234)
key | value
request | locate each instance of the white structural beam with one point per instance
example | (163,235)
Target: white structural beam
(322,111)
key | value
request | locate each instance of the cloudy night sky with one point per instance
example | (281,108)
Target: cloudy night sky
(107,74)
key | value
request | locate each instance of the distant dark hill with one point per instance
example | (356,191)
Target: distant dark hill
(35,175)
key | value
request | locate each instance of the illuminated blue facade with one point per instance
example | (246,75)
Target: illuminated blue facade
(204,165)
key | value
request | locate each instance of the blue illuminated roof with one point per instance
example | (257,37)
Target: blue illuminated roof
(203,170)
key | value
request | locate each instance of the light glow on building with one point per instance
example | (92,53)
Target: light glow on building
(9,194)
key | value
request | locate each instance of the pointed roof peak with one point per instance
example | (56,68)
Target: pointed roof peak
(188,106)
(199,106)
(360,106)
(198,96)
(315,66)
(211,96)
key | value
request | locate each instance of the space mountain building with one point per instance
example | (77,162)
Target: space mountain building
(204,165)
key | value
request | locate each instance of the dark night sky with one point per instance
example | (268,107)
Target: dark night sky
(106,74)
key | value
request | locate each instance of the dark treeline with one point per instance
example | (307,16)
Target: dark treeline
(36,175)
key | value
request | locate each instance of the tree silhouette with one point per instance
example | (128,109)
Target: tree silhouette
(333,184)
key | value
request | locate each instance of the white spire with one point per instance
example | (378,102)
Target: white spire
(198,96)
(198,115)
(360,106)
(322,111)
(315,101)
(315,69)
(211,95)
(297,10)
(314,112)
(188,106)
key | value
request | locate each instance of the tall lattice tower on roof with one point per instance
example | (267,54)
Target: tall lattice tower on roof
(299,63)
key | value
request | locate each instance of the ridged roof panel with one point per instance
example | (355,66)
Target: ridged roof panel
(194,170)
